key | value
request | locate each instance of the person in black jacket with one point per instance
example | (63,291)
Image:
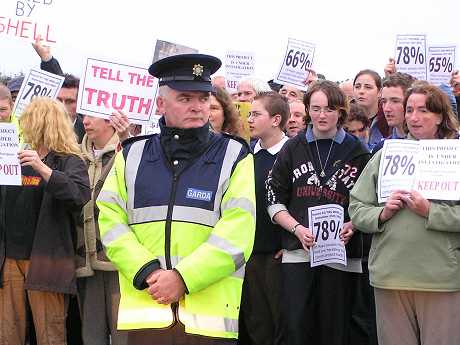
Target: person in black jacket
(317,167)
(37,226)
(260,304)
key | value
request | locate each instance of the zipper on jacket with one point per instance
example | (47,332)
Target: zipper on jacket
(172,198)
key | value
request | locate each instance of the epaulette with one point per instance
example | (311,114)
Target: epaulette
(239,139)
(131,140)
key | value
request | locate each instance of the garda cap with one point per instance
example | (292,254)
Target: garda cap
(186,72)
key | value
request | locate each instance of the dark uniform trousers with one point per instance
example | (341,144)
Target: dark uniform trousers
(260,303)
(174,335)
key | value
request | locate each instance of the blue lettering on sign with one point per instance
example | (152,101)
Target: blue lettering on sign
(198,194)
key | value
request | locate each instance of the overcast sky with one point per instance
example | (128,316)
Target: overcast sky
(349,35)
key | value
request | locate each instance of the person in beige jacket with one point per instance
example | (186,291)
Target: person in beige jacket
(98,288)
(415,253)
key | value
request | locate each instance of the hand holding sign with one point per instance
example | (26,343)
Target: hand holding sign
(120,122)
(312,77)
(347,232)
(390,67)
(305,236)
(32,159)
(326,223)
(394,203)
(417,203)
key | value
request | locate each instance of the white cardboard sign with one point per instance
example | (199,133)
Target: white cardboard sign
(326,222)
(108,86)
(10,169)
(237,66)
(37,83)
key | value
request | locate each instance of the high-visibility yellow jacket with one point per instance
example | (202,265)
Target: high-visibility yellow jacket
(14,120)
(199,220)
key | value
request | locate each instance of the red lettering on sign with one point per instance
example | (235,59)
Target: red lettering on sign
(26,29)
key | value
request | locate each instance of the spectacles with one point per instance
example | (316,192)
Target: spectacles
(254,114)
(319,110)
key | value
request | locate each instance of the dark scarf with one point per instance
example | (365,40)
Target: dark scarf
(191,142)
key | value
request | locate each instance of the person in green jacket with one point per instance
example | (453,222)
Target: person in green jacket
(415,253)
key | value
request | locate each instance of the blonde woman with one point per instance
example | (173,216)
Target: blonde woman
(37,226)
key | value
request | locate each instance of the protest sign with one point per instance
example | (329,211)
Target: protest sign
(237,66)
(37,83)
(164,49)
(26,20)
(244,108)
(296,63)
(325,222)
(152,127)
(438,169)
(109,86)
(410,55)
(441,62)
(428,166)
(397,166)
(10,169)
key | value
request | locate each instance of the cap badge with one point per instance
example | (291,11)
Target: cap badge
(198,70)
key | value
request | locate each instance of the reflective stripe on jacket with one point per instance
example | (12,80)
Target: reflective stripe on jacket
(200,222)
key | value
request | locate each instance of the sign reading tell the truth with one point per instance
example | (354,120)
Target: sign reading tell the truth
(110,86)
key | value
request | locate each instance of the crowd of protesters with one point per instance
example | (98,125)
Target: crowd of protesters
(401,284)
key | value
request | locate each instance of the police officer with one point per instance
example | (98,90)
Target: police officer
(177,217)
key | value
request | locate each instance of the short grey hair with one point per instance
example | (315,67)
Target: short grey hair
(258,85)
(163,90)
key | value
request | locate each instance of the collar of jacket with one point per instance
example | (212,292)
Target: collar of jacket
(183,144)
(87,147)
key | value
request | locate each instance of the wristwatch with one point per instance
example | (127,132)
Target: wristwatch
(294,228)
